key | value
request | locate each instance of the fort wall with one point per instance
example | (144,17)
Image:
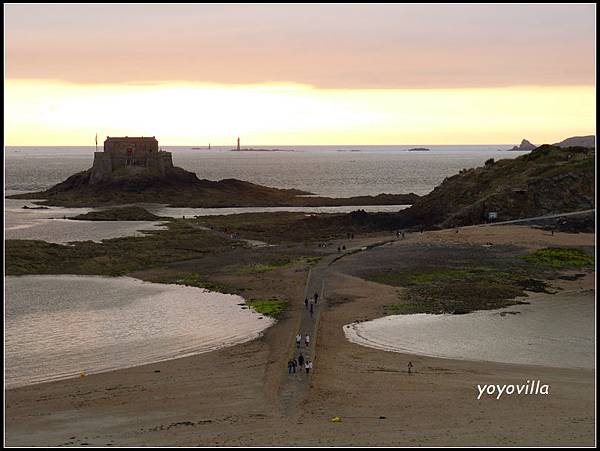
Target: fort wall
(135,154)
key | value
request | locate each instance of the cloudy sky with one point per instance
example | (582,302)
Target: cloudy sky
(299,74)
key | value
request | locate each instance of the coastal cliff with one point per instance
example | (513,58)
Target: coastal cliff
(546,181)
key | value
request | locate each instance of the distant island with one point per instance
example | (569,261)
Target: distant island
(134,170)
(524,146)
(261,150)
(419,149)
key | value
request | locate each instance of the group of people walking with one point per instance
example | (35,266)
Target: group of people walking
(299,339)
(311,303)
(299,363)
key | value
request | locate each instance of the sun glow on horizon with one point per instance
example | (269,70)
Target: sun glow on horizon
(43,112)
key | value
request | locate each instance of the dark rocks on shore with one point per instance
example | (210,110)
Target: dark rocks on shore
(132,213)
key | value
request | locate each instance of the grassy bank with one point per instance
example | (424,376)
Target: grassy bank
(457,290)
(114,257)
(560,258)
(273,307)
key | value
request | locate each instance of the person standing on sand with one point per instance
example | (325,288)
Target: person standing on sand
(306,302)
(307,340)
(298,340)
(410,365)
(290,366)
(300,360)
(316,296)
(312,305)
(294,365)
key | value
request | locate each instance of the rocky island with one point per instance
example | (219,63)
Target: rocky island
(524,146)
(134,170)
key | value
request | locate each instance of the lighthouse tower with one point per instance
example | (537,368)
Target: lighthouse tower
(238,145)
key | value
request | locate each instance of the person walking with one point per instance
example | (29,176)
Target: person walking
(300,360)
(290,366)
(298,340)
(294,365)
(312,305)
(308,366)
(316,296)
(410,365)
(307,340)
(306,302)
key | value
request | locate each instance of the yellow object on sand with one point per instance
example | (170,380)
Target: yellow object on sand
(336,420)
(82,374)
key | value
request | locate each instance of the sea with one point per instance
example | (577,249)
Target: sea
(340,171)
(53,331)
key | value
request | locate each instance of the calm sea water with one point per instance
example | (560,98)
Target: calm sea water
(59,326)
(554,330)
(325,170)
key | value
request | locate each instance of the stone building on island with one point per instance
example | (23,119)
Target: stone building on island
(128,156)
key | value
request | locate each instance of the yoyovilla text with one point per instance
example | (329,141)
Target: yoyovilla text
(528,388)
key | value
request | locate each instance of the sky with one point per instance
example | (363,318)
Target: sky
(299,74)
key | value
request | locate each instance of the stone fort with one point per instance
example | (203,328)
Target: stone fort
(130,155)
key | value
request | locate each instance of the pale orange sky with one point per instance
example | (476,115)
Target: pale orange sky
(299,74)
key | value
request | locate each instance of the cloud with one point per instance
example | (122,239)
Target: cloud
(326,46)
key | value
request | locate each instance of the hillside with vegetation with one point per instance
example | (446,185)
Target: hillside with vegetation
(548,180)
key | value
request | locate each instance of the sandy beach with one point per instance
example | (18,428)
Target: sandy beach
(234,396)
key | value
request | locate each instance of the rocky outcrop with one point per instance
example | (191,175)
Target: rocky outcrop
(525,145)
(548,180)
(180,188)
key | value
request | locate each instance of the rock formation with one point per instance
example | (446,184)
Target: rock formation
(525,145)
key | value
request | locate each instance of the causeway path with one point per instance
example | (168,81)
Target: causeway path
(295,385)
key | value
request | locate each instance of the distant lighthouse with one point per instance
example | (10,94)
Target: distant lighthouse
(238,147)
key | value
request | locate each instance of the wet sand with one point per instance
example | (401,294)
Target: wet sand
(232,396)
